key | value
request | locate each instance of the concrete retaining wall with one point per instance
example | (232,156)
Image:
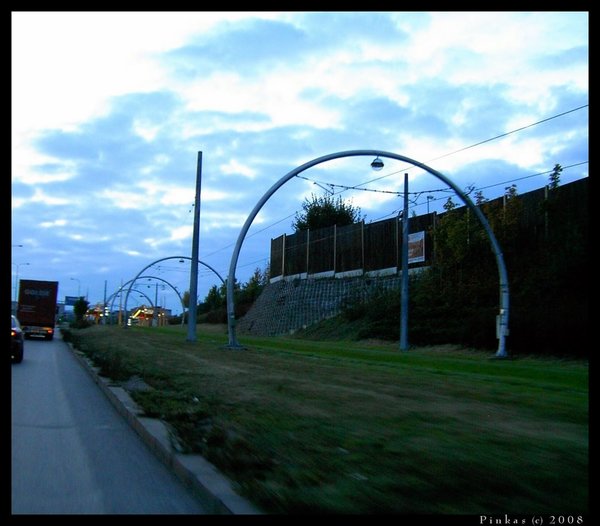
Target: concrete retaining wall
(288,305)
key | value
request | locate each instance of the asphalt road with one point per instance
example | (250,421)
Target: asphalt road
(72,453)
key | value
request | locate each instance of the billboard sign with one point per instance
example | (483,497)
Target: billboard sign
(71,300)
(416,247)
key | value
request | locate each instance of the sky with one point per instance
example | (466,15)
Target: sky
(110,109)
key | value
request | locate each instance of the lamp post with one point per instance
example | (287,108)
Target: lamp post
(181,260)
(404,277)
(429,198)
(119,292)
(155,310)
(193,302)
(17,277)
(78,286)
(503,316)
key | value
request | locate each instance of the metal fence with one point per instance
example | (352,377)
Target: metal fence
(376,248)
(347,250)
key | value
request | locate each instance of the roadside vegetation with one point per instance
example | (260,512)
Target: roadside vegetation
(455,300)
(346,426)
(337,420)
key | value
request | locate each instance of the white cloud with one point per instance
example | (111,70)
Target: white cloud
(130,252)
(222,220)
(126,200)
(234,167)
(56,222)
(145,129)
(182,232)
(84,58)
(158,192)
(26,162)
(177,195)
(276,95)
(157,163)
(445,81)
(40,196)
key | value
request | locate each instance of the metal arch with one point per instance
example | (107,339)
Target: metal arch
(154,263)
(503,275)
(139,292)
(114,295)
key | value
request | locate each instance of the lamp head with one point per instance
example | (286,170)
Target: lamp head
(377,164)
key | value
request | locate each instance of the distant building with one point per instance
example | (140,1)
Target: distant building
(144,316)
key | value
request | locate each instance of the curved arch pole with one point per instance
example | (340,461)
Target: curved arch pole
(154,263)
(114,295)
(111,299)
(502,273)
(139,292)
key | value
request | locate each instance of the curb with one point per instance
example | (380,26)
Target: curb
(214,491)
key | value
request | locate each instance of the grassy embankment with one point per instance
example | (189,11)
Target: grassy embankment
(359,427)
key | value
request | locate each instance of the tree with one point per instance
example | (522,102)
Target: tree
(252,289)
(186,299)
(214,307)
(449,205)
(324,211)
(80,307)
(214,299)
(555,177)
(505,216)
(480,198)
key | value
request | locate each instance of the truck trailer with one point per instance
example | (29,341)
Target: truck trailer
(36,309)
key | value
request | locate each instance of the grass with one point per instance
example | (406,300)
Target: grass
(305,426)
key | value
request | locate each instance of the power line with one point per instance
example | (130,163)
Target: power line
(344,187)
(508,181)
(481,142)
(533,175)
(419,193)
(356,187)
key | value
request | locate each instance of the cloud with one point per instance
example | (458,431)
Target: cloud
(245,47)
(125,199)
(44,198)
(55,223)
(234,167)
(105,155)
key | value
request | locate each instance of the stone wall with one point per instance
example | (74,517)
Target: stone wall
(288,305)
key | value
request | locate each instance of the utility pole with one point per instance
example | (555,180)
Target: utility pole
(120,316)
(104,305)
(404,278)
(155,312)
(193,305)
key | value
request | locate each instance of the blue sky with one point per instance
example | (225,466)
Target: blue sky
(110,110)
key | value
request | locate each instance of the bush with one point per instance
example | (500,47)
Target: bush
(379,312)
(80,324)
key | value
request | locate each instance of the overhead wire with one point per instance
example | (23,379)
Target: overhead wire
(481,142)
(358,186)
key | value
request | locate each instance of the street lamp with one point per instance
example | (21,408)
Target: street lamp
(193,301)
(181,258)
(503,316)
(377,164)
(17,277)
(78,286)
(429,198)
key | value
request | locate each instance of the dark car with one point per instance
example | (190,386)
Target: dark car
(17,341)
